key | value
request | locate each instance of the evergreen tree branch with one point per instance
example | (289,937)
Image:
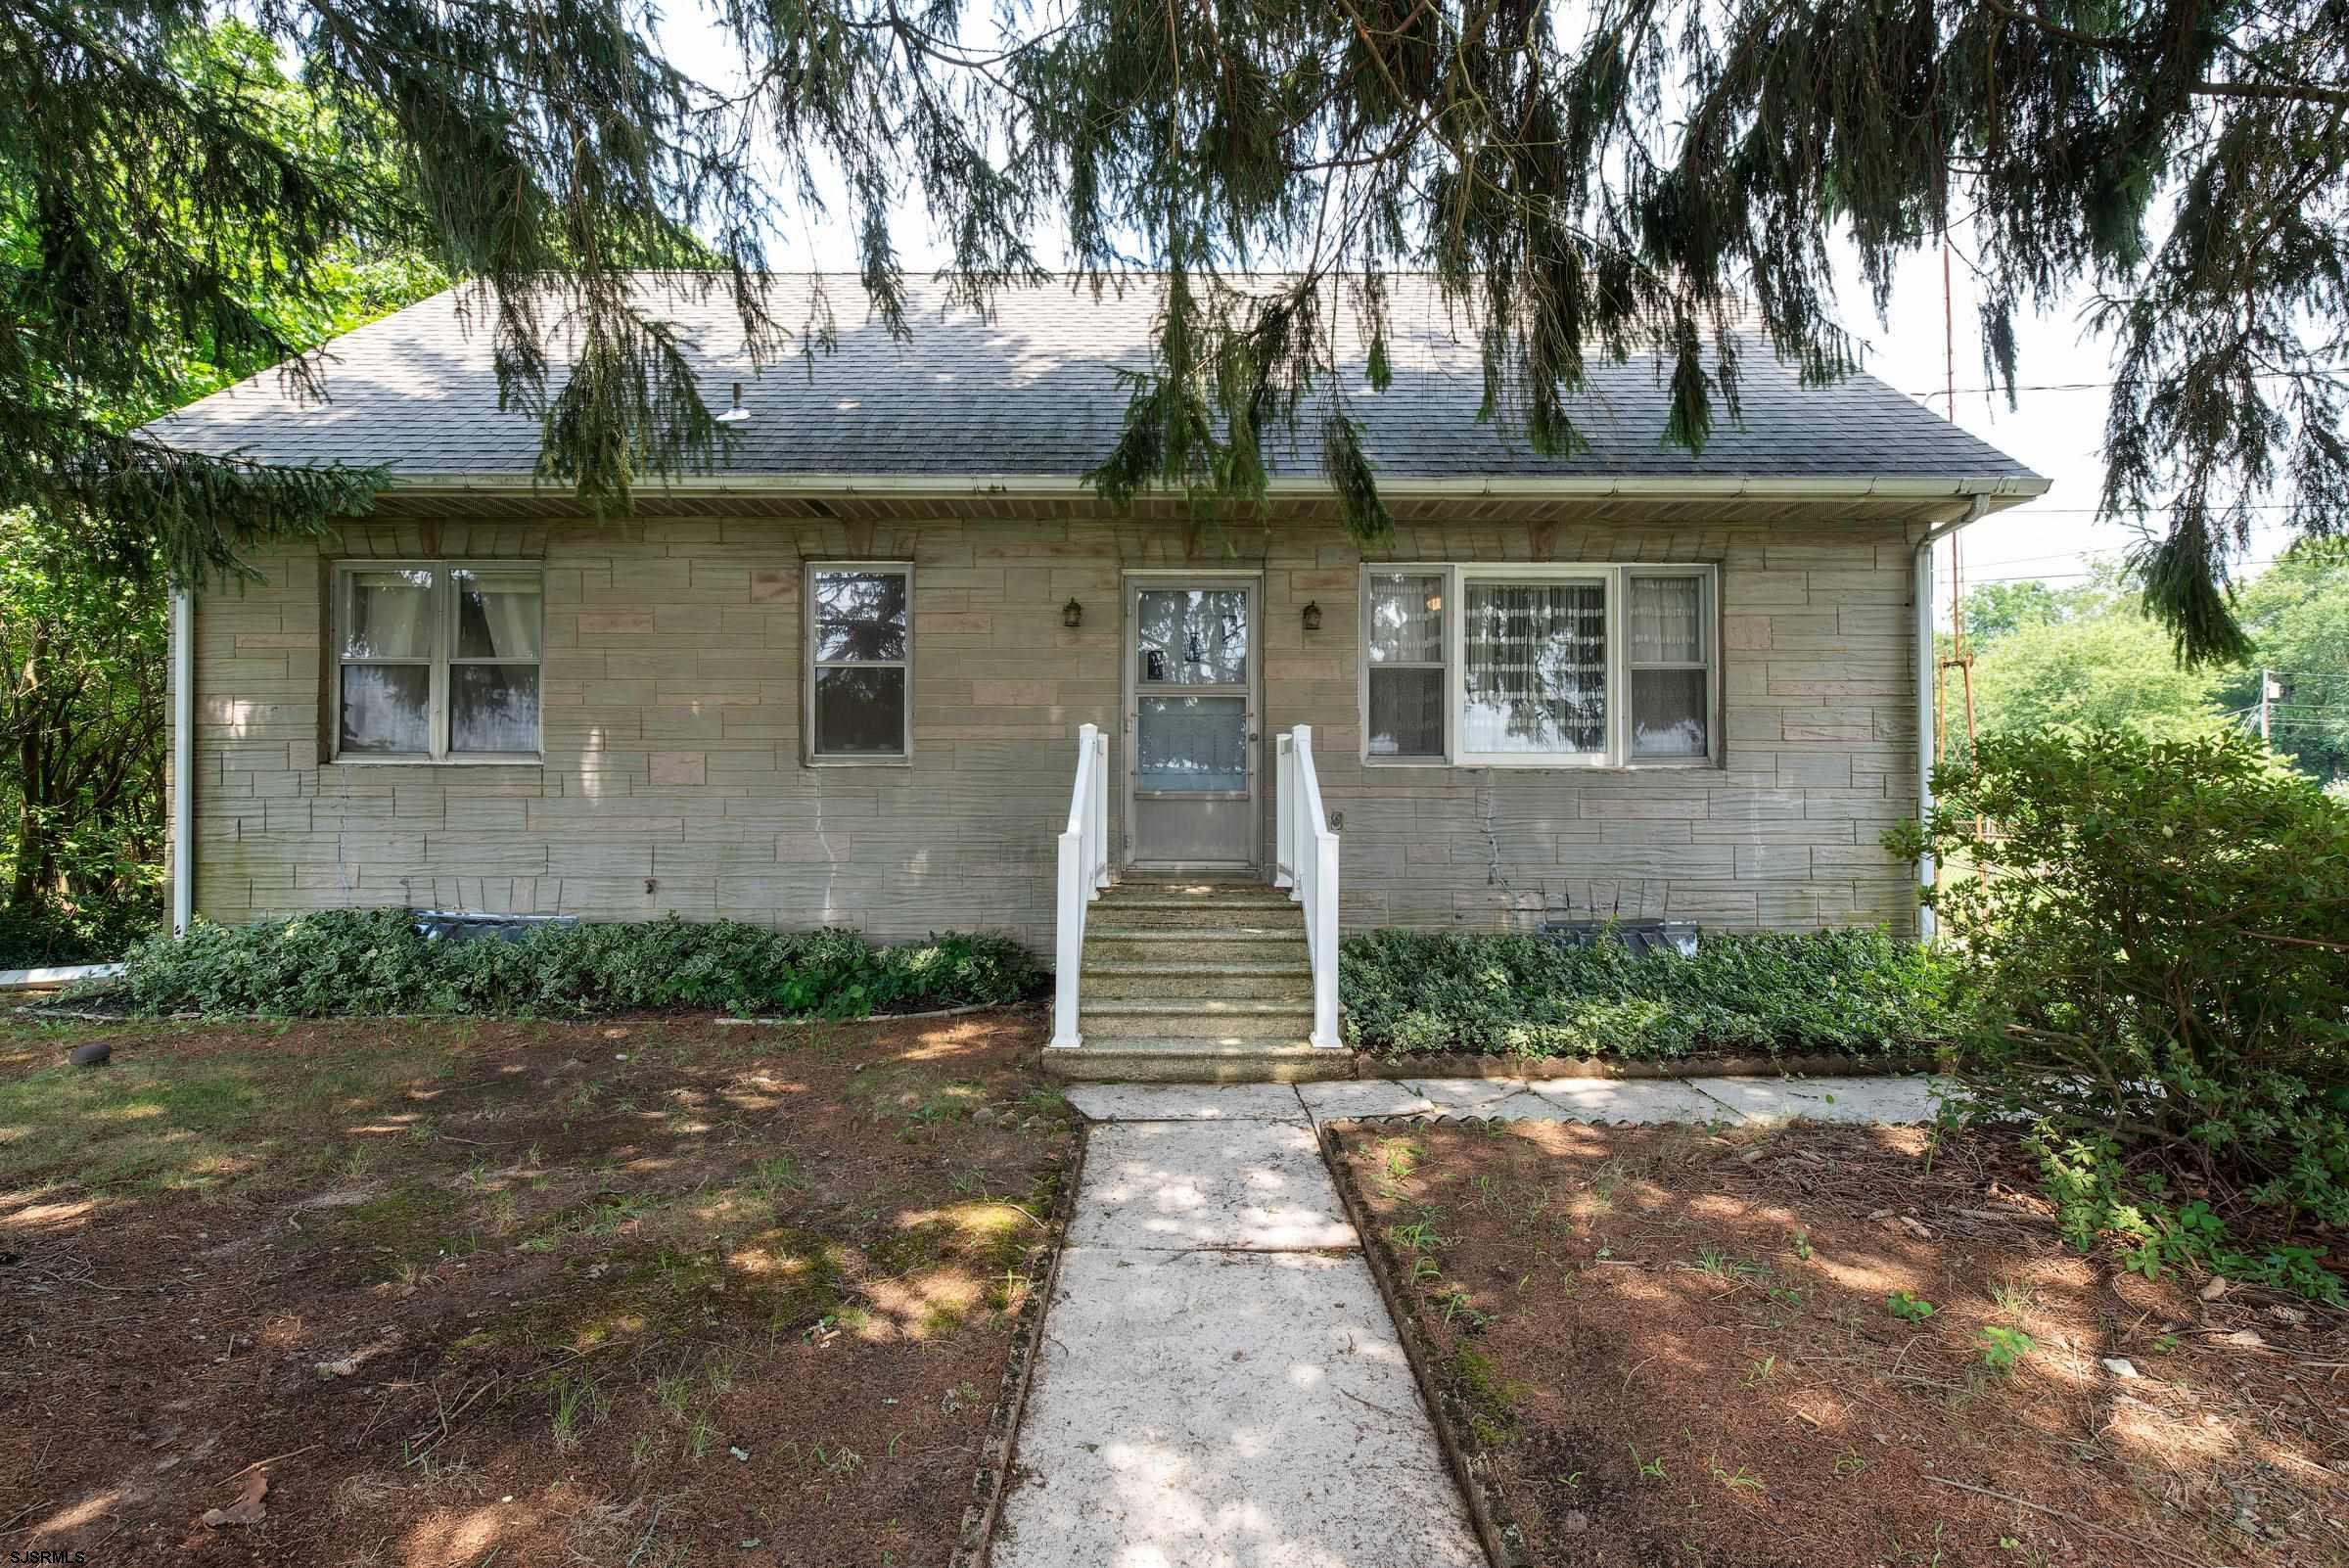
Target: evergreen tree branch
(1661,185)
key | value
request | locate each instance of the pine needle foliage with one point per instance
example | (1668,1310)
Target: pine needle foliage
(1637,176)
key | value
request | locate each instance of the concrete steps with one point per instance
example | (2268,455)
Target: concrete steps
(1209,1017)
(1208,943)
(1155,910)
(1132,980)
(1187,1059)
(1196,982)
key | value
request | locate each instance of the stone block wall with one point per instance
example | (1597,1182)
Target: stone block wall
(672,778)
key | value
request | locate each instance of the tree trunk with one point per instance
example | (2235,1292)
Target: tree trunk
(31,843)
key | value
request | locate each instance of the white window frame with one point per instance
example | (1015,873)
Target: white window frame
(1615,576)
(442,615)
(1450,614)
(1708,617)
(809,754)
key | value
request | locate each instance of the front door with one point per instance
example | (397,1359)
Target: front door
(1191,661)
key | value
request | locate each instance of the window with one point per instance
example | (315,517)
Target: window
(1403,617)
(859,663)
(436,660)
(1672,692)
(1556,665)
(1534,670)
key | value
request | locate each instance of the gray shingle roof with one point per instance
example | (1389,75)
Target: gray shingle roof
(1031,390)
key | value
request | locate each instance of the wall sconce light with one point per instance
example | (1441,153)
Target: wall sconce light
(1313,617)
(1072,613)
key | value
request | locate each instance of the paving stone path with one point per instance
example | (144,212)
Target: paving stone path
(1887,1099)
(1220,1384)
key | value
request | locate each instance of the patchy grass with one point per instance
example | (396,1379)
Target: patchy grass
(1844,1348)
(635,1290)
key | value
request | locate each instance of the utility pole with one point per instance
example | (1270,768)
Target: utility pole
(2267,695)
(1962,659)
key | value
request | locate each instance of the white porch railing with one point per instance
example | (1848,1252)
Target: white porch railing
(1306,862)
(1083,872)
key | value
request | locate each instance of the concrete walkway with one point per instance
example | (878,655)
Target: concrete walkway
(1764,1101)
(1220,1384)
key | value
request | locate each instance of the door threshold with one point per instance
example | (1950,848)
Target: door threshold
(1222,874)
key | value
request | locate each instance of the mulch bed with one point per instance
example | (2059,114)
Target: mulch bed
(1680,1346)
(515,1294)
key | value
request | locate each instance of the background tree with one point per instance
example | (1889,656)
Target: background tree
(2087,657)
(1993,609)
(81,717)
(81,607)
(1627,179)
(2297,613)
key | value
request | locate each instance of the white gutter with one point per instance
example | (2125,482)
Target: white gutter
(2010,488)
(1929,683)
(183,760)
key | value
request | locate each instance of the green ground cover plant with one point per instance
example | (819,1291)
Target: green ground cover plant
(2154,966)
(1856,992)
(355,962)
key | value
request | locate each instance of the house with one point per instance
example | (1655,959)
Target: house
(848,678)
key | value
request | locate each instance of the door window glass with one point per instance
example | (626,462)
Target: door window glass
(1192,636)
(1192,743)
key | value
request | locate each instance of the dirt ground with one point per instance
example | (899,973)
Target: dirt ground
(499,1295)
(1681,1347)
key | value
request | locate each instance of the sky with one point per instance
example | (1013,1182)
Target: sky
(2055,428)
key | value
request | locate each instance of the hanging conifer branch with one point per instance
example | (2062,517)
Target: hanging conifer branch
(1653,177)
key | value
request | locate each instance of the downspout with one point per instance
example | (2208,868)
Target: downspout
(1928,681)
(183,760)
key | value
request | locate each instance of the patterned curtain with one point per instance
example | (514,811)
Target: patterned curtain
(1537,667)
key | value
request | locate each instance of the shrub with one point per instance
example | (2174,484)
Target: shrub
(2158,969)
(42,930)
(1855,991)
(375,961)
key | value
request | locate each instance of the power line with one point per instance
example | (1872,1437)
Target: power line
(2098,385)
(2065,576)
(2097,510)
(2026,560)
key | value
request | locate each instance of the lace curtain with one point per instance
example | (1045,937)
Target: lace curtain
(1666,629)
(1670,714)
(1405,638)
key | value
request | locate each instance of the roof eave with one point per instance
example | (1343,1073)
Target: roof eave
(1999,491)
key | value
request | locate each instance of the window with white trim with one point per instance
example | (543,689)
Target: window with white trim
(437,660)
(1494,664)
(859,662)
(1403,660)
